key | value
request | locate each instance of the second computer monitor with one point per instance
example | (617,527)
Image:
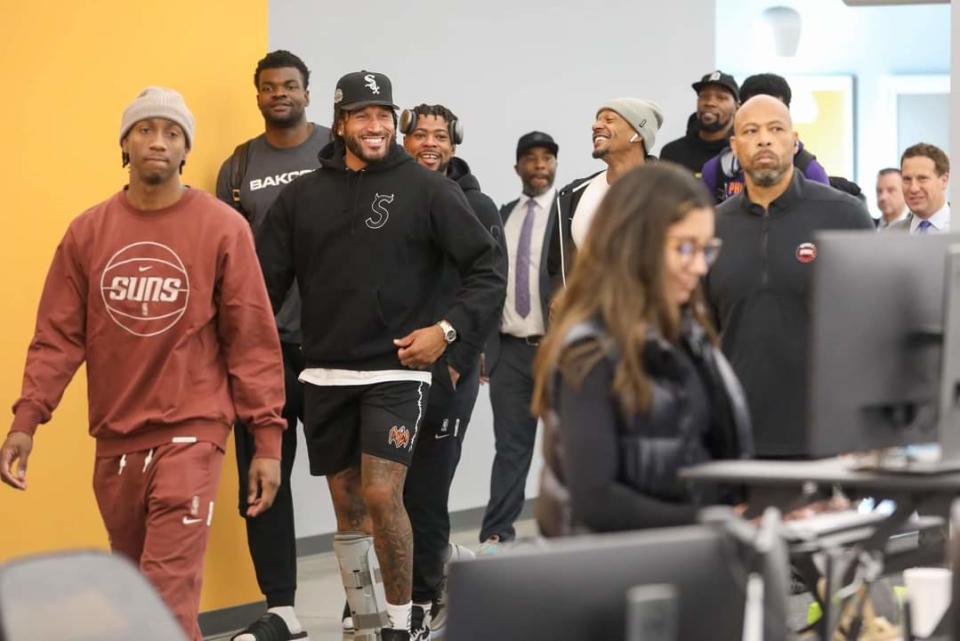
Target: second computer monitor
(876,340)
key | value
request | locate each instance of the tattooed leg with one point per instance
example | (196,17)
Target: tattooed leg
(392,536)
(347,494)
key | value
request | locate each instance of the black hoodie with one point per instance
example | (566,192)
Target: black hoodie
(366,248)
(692,151)
(488,214)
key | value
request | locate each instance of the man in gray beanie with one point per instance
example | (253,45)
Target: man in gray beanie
(624,132)
(158,102)
(168,274)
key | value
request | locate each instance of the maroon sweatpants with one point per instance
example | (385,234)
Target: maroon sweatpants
(157,506)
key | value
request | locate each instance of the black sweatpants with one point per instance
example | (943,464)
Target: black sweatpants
(271,536)
(427,490)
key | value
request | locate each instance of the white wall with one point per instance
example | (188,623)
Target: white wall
(505,67)
(870,43)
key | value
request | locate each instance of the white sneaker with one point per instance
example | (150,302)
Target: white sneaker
(490,547)
(347,619)
(457,552)
(438,618)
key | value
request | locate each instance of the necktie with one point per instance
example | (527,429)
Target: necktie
(924,227)
(522,271)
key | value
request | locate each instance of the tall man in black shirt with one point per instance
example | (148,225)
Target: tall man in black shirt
(249,180)
(759,286)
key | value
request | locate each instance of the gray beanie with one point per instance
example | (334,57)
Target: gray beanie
(644,116)
(158,102)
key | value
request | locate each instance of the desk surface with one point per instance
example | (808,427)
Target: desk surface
(833,471)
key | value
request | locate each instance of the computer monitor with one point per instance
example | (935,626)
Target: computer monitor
(877,357)
(576,589)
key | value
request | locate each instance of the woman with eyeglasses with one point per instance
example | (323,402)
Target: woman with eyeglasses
(629,380)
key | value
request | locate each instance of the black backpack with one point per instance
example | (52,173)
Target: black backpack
(238,169)
(802,160)
(848,187)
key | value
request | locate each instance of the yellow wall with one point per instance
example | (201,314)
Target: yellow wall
(827,135)
(69,69)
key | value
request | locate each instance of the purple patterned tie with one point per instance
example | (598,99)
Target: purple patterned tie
(522,284)
(924,227)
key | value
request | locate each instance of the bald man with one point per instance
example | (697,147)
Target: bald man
(758,287)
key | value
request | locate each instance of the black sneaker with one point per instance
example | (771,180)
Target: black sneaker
(271,627)
(392,634)
(419,624)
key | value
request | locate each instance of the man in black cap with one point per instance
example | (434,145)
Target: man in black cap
(709,129)
(527,222)
(365,236)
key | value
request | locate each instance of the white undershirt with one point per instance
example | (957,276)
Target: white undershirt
(323,376)
(587,207)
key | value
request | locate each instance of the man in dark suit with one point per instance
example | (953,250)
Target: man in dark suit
(527,222)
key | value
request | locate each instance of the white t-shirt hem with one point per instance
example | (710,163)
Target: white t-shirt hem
(323,376)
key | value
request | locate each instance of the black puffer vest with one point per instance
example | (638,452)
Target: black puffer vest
(654,445)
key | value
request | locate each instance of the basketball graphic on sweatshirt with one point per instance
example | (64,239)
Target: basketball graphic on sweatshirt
(145,288)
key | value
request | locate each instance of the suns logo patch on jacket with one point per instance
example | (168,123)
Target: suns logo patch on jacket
(806,252)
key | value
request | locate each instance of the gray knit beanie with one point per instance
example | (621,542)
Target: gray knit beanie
(644,116)
(158,102)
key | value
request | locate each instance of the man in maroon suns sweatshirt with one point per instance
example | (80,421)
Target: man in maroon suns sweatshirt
(159,290)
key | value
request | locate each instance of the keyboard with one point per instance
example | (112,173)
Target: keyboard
(830,523)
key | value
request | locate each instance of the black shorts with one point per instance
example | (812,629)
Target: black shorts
(341,421)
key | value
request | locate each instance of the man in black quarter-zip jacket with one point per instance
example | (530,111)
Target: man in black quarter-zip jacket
(759,286)
(366,236)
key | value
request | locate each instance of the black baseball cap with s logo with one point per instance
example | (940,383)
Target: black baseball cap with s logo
(363,88)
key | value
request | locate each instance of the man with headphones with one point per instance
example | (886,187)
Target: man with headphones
(431,134)
(624,132)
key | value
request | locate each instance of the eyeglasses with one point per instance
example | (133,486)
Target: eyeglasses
(688,248)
